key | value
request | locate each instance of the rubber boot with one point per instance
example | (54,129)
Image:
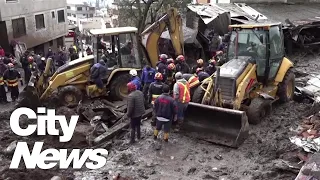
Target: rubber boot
(155,134)
(166,137)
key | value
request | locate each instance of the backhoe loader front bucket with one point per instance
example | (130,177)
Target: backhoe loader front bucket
(217,125)
(29,97)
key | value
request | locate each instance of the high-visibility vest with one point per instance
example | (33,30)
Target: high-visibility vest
(13,82)
(1,81)
(184,92)
(154,97)
(193,81)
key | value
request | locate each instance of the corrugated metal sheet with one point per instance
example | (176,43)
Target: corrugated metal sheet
(293,12)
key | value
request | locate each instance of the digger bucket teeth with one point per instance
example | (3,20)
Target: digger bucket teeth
(217,125)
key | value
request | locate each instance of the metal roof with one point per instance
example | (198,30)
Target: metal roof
(114,31)
(255,24)
(293,12)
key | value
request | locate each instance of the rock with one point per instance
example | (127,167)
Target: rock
(192,170)
(56,178)
(208,176)
(218,157)
(11,148)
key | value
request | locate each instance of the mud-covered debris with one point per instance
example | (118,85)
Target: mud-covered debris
(56,178)
(192,171)
(10,149)
(218,157)
(208,176)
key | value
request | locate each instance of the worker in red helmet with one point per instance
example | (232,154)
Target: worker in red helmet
(12,77)
(155,90)
(135,110)
(161,66)
(200,64)
(171,70)
(181,65)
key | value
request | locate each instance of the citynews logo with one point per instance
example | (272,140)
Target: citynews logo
(49,158)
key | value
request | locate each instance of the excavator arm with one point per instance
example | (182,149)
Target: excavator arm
(150,36)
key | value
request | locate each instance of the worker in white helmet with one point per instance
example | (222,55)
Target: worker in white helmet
(135,79)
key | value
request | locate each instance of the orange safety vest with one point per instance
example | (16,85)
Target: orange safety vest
(154,97)
(193,81)
(184,92)
(12,83)
(1,81)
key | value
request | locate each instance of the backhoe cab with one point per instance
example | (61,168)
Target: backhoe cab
(72,80)
(243,89)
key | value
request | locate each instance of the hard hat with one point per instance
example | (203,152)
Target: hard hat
(131,86)
(200,61)
(163,57)
(158,76)
(180,58)
(198,70)
(10,65)
(171,66)
(133,72)
(178,75)
(212,62)
(30,59)
(170,60)
(43,59)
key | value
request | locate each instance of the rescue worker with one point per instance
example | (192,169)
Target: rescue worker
(181,92)
(2,53)
(42,65)
(12,77)
(27,70)
(211,68)
(3,94)
(165,110)
(192,79)
(200,64)
(215,43)
(155,90)
(98,72)
(135,110)
(161,66)
(181,65)
(202,75)
(24,63)
(170,75)
(49,53)
(135,79)
(147,77)
(169,61)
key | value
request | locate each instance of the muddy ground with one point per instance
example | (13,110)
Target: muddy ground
(183,157)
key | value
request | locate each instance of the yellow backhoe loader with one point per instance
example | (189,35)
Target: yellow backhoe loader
(72,80)
(242,90)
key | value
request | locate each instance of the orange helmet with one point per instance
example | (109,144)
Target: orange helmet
(198,70)
(200,61)
(163,57)
(170,60)
(180,58)
(158,76)
(10,65)
(30,59)
(171,66)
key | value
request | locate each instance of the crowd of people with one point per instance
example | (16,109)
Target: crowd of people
(168,90)
(32,64)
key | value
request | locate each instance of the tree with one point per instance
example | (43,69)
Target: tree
(141,13)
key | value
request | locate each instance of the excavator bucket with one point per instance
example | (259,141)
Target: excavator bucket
(217,125)
(29,97)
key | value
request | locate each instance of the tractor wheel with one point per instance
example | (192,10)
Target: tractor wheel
(69,96)
(258,109)
(287,87)
(118,86)
(198,94)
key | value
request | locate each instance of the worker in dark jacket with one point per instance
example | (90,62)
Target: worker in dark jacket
(212,67)
(202,75)
(147,77)
(135,110)
(166,110)
(12,77)
(200,64)
(161,66)
(3,94)
(155,90)
(171,70)
(98,72)
(181,65)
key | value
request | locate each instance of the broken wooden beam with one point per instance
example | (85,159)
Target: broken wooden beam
(117,129)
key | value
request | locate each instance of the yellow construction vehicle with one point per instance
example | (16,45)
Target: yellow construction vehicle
(72,80)
(242,90)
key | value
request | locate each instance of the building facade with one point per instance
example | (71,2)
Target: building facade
(80,11)
(38,23)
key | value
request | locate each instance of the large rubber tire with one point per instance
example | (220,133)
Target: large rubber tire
(287,87)
(198,94)
(258,109)
(118,86)
(69,96)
